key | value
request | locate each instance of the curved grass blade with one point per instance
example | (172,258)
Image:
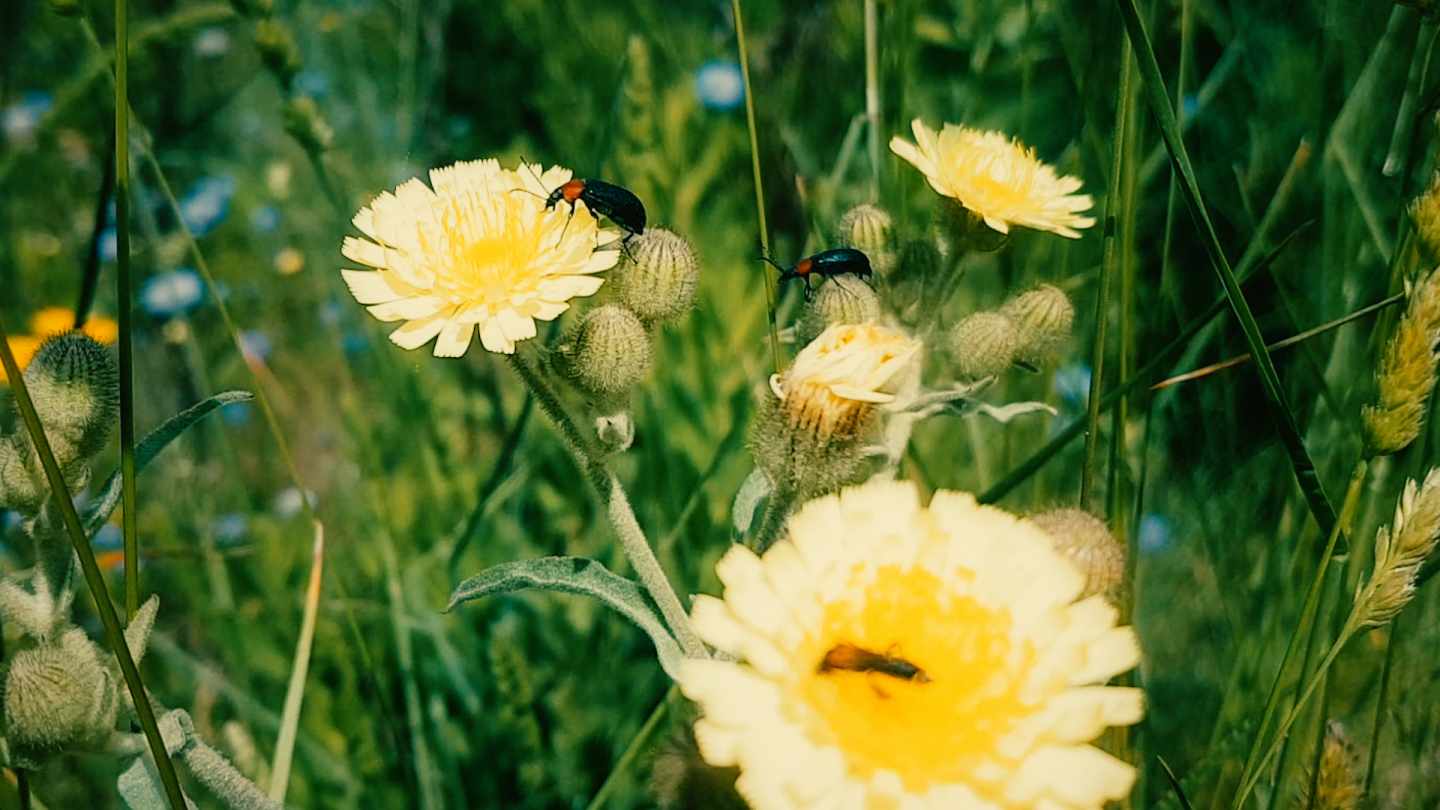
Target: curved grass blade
(295,691)
(150,447)
(1174,784)
(583,576)
(1154,83)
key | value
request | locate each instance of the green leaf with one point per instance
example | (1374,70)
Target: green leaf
(583,576)
(1284,419)
(150,447)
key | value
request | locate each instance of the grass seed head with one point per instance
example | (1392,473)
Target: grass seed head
(1401,549)
(1337,783)
(1407,373)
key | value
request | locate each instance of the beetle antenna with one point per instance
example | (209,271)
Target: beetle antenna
(770,261)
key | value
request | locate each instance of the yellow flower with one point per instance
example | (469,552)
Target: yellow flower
(997,178)
(893,654)
(58,320)
(477,250)
(840,375)
(24,348)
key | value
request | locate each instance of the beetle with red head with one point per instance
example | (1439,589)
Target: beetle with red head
(617,203)
(827,263)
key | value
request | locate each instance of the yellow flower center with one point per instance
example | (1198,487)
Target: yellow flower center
(924,682)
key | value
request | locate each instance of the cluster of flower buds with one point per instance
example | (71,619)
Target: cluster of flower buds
(280,53)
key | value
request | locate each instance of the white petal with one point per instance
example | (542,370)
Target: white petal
(415,334)
(492,337)
(407,309)
(363,251)
(369,287)
(454,339)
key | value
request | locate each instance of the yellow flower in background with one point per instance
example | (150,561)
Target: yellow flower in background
(893,654)
(24,348)
(54,321)
(477,250)
(845,371)
(997,178)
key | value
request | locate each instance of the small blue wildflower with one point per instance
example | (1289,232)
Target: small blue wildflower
(237,413)
(20,120)
(1072,384)
(265,219)
(1155,533)
(230,528)
(1190,105)
(172,293)
(256,345)
(206,204)
(720,85)
(312,83)
(108,538)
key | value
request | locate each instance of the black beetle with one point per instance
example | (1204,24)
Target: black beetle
(617,203)
(827,263)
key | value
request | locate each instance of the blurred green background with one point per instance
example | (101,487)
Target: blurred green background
(528,701)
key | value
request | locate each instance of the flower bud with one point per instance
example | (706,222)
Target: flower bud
(56,696)
(278,50)
(74,384)
(983,345)
(659,279)
(610,352)
(616,431)
(1042,318)
(681,779)
(869,229)
(1085,539)
(843,299)
(306,124)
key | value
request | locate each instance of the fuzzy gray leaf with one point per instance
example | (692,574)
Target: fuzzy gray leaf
(749,499)
(583,576)
(1004,413)
(150,447)
(140,788)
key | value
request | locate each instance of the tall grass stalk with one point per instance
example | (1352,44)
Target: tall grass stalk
(1253,766)
(94,579)
(872,93)
(295,691)
(759,184)
(1381,703)
(123,305)
(632,750)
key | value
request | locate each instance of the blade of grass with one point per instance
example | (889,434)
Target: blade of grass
(1174,784)
(122,303)
(1279,344)
(872,93)
(295,691)
(1164,355)
(90,279)
(94,579)
(1123,100)
(632,750)
(759,185)
(1300,461)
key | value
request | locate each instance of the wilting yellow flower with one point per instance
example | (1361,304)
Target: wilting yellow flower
(57,320)
(840,375)
(24,348)
(997,178)
(475,250)
(893,654)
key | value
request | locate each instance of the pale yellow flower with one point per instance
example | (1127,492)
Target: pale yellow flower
(58,320)
(477,250)
(997,666)
(840,375)
(997,178)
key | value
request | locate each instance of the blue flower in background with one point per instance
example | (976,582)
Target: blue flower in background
(173,293)
(20,120)
(206,204)
(312,83)
(719,84)
(230,528)
(265,219)
(1155,534)
(109,245)
(237,413)
(1190,105)
(1072,384)
(109,538)
(256,345)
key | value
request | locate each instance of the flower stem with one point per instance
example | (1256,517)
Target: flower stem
(759,186)
(647,730)
(777,509)
(114,633)
(1391,642)
(872,93)
(1252,769)
(122,296)
(617,509)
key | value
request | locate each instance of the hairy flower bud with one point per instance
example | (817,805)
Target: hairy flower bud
(276,44)
(1086,540)
(869,229)
(843,299)
(1043,318)
(984,345)
(307,125)
(659,279)
(57,697)
(610,352)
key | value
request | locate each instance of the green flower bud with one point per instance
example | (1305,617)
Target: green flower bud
(278,50)
(919,266)
(1043,318)
(1086,540)
(58,697)
(983,345)
(659,279)
(306,124)
(869,229)
(842,299)
(610,352)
